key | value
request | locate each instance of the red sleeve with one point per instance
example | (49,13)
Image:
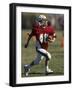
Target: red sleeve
(52,32)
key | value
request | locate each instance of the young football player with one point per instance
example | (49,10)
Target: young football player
(44,33)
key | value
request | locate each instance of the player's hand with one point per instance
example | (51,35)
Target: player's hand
(51,39)
(26,45)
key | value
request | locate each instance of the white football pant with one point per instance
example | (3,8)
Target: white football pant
(41,54)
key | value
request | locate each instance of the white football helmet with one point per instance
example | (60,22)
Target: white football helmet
(41,20)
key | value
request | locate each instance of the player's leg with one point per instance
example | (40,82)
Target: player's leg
(47,55)
(47,69)
(34,62)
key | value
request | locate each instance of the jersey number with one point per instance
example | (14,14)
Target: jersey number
(43,38)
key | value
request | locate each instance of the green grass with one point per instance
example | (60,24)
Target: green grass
(29,54)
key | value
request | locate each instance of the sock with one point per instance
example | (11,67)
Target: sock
(46,65)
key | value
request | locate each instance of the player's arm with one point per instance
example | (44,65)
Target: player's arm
(30,36)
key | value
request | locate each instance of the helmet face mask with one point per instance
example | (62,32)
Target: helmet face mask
(43,23)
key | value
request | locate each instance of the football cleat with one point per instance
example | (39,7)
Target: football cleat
(48,71)
(26,70)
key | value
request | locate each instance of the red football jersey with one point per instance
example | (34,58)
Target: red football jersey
(42,34)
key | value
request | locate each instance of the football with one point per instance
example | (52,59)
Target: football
(51,37)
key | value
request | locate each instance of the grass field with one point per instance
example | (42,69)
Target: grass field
(29,54)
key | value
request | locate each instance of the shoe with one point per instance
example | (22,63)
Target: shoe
(48,71)
(26,70)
